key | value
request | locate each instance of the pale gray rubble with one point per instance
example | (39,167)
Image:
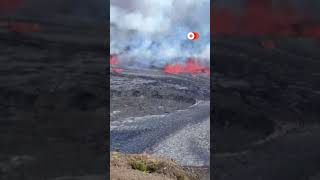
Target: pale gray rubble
(189,146)
(158,133)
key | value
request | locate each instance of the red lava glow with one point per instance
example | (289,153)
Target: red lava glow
(261,18)
(11,4)
(268,44)
(23,27)
(191,66)
(117,70)
(114,59)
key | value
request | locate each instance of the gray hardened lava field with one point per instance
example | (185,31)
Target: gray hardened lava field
(265,108)
(151,110)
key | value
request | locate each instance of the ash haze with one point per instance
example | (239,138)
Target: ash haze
(153,32)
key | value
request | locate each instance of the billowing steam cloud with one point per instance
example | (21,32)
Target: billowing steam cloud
(154,32)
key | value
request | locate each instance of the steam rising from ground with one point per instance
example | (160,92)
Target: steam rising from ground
(153,32)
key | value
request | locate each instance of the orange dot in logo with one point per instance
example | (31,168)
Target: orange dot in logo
(196,35)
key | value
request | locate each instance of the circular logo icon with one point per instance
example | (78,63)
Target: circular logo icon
(193,35)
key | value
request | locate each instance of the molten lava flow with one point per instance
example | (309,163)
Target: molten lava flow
(117,70)
(174,68)
(114,59)
(261,18)
(191,66)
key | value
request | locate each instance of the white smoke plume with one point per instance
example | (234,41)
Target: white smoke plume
(154,32)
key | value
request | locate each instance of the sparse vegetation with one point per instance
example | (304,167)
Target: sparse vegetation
(181,177)
(139,165)
(145,166)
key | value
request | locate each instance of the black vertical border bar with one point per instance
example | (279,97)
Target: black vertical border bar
(107,119)
(211,165)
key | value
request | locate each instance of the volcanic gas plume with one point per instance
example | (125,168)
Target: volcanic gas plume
(153,33)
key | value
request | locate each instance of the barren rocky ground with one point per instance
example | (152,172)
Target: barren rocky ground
(151,111)
(52,108)
(266,109)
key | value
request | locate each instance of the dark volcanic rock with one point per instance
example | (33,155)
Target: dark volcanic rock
(52,108)
(262,97)
(153,92)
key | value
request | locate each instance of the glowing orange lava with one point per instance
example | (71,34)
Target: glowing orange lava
(191,66)
(117,70)
(114,59)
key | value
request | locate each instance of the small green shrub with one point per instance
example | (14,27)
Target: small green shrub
(181,177)
(139,165)
(152,167)
(142,165)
